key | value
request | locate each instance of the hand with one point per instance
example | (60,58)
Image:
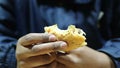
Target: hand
(37,49)
(85,57)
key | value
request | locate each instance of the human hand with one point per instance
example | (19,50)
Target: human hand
(37,49)
(84,57)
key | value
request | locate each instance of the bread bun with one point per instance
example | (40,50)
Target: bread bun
(74,37)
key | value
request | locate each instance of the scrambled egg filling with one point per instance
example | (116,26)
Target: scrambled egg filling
(73,36)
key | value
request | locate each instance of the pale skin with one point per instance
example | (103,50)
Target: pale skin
(40,50)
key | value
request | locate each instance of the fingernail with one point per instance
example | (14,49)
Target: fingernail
(52,38)
(63,45)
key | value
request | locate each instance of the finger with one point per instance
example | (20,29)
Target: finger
(41,67)
(36,61)
(82,51)
(44,66)
(61,65)
(49,47)
(53,65)
(45,48)
(34,38)
(68,60)
(64,59)
(22,52)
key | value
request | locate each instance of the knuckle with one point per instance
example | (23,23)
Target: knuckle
(44,37)
(25,37)
(28,37)
(56,46)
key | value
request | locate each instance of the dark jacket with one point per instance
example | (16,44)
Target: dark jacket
(20,17)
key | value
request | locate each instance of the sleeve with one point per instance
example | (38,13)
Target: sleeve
(112,49)
(7,34)
(110,29)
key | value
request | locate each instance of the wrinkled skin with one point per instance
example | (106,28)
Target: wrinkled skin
(40,50)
